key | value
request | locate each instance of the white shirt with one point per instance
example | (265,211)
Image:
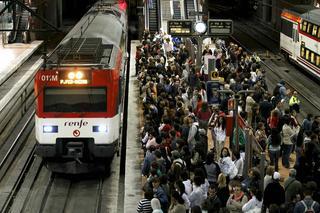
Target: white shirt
(187,186)
(196,197)
(239,165)
(205,187)
(185,74)
(220,134)
(253,76)
(227,167)
(251,204)
(186,201)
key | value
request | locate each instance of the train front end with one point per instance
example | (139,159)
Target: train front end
(77,117)
(80,93)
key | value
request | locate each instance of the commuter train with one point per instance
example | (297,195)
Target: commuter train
(80,93)
(300,37)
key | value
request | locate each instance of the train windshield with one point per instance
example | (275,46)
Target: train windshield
(75,100)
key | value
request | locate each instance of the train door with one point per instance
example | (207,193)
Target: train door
(286,37)
(295,41)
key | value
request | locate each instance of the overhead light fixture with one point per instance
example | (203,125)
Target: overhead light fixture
(200,27)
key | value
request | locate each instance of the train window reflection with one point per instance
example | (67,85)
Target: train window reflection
(307,54)
(318,61)
(312,57)
(302,52)
(309,28)
(304,26)
(314,30)
(75,100)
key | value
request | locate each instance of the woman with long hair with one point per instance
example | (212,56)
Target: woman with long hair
(219,131)
(226,164)
(261,136)
(274,143)
(212,168)
(223,192)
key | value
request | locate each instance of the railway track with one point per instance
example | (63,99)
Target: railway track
(26,185)
(277,68)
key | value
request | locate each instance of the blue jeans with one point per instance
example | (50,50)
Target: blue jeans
(274,158)
(286,151)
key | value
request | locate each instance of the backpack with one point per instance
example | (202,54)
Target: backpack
(308,209)
(276,91)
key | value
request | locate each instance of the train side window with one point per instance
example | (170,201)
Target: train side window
(312,57)
(304,26)
(309,28)
(318,61)
(314,30)
(307,54)
(319,32)
(302,52)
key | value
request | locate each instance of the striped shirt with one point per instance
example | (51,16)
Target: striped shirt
(144,206)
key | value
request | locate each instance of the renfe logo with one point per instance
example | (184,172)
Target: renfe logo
(76,123)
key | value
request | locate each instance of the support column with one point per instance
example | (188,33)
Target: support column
(51,12)
(274,12)
(146,15)
(59,13)
(165,13)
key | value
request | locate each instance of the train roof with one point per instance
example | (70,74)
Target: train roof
(307,12)
(312,16)
(300,9)
(95,39)
(89,51)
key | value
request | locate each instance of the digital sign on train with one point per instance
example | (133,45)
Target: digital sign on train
(222,27)
(180,28)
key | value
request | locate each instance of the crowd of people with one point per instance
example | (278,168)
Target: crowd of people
(184,175)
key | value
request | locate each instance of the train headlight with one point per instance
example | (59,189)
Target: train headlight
(79,75)
(50,129)
(71,75)
(100,128)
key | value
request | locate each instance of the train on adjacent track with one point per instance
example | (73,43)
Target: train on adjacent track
(80,93)
(300,37)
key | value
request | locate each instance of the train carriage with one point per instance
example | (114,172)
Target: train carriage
(80,93)
(300,37)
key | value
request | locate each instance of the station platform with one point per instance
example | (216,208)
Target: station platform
(133,186)
(133,179)
(13,56)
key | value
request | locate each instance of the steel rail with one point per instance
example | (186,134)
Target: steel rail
(17,139)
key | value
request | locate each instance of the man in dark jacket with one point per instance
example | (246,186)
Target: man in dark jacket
(292,187)
(212,204)
(265,108)
(274,192)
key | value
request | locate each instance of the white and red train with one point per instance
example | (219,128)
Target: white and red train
(80,93)
(300,37)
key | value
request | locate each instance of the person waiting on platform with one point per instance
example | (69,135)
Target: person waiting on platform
(237,199)
(294,102)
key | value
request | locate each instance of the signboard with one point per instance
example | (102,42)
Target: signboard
(180,28)
(220,27)
(212,88)
(209,63)
(214,75)
(195,13)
